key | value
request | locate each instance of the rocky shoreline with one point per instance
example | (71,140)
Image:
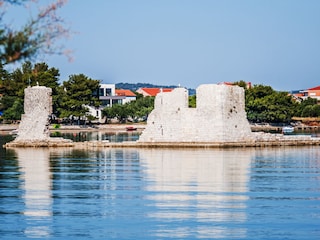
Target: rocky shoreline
(260,139)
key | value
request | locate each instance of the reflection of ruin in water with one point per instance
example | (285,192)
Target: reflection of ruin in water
(211,182)
(34,164)
(206,188)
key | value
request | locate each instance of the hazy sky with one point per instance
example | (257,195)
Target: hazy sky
(191,42)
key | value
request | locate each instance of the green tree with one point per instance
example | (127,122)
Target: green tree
(304,108)
(241,83)
(141,108)
(12,85)
(311,111)
(263,104)
(122,112)
(193,101)
(77,93)
(135,110)
(14,112)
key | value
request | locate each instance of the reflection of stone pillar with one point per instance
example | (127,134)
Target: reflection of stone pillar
(34,165)
(37,108)
(211,182)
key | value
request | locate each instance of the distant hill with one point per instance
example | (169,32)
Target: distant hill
(135,86)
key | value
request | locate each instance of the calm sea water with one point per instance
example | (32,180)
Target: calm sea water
(267,193)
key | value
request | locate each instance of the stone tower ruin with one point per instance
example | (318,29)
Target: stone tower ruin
(34,123)
(218,117)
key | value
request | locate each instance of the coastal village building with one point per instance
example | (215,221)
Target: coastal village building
(128,94)
(152,92)
(311,92)
(109,96)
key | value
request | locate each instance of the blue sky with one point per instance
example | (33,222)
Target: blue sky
(192,42)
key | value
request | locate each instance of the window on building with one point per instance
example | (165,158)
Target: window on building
(101,91)
(116,101)
(108,91)
(105,102)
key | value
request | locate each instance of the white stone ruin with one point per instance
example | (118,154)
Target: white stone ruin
(34,126)
(218,117)
(34,123)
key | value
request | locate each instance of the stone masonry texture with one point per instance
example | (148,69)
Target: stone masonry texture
(218,117)
(37,108)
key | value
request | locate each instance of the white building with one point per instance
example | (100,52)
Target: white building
(109,95)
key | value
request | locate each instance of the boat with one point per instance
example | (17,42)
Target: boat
(131,128)
(287,129)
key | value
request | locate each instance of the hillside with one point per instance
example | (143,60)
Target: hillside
(136,86)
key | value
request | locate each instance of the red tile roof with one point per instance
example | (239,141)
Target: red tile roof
(154,91)
(315,88)
(226,83)
(125,92)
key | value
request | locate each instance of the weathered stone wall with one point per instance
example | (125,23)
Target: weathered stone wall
(219,116)
(37,108)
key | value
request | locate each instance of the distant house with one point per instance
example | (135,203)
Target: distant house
(311,92)
(297,94)
(152,92)
(128,94)
(109,96)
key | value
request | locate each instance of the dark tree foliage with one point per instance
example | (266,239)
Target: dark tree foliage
(263,104)
(75,94)
(241,83)
(12,86)
(307,108)
(193,101)
(135,111)
(15,110)
(118,111)
(311,111)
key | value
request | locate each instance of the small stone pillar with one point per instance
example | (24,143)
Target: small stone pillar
(37,109)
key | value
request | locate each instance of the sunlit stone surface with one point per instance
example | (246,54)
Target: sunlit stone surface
(37,107)
(34,127)
(219,116)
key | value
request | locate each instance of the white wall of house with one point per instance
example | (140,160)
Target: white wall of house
(96,112)
(129,99)
(107,90)
(108,97)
